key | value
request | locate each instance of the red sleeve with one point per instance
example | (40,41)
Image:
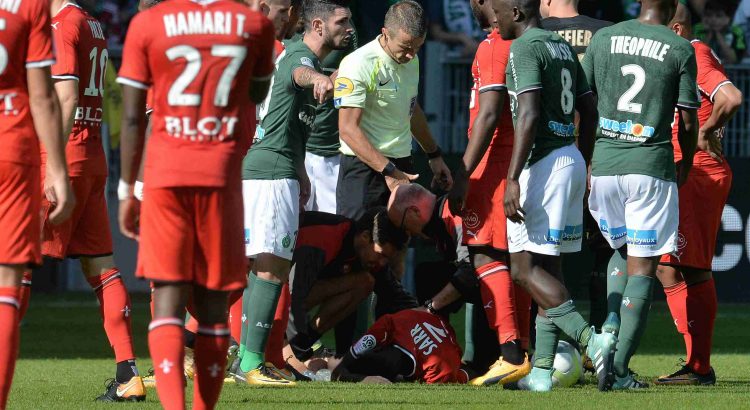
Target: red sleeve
(378,335)
(66,37)
(711,75)
(39,53)
(264,64)
(492,59)
(135,70)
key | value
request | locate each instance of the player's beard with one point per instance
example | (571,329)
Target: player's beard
(343,44)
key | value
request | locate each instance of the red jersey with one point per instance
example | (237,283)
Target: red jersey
(711,77)
(200,57)
(25,42)
(488,72)
(429,341)
(82,55)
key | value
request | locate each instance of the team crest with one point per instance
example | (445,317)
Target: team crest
(286,241)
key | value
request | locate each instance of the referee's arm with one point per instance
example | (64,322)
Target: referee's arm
(421,131)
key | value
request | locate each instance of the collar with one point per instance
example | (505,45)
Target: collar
(389,61)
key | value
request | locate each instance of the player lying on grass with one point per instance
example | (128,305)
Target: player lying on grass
(410,345)
(331,269)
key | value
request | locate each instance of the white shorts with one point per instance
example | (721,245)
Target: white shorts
(639,210)
(324,176)
(271,216)
(552,196)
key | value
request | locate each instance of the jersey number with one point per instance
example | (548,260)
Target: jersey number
(567,100)
(3,51)
(177,95)
(92,90)
(625,103)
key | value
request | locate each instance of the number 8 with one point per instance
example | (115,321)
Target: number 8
(567,99)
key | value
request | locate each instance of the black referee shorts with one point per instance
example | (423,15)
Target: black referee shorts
(361,188)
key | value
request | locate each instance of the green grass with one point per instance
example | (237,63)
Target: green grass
(65,360)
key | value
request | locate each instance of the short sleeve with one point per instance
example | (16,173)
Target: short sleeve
(711,75)
(492,59)
(352,84)
(587,64)
(264,65)
(582,84)
(299,59)
(66,37)
(135,70)
(40,52)
(525,67)
(688,97)
(378,335)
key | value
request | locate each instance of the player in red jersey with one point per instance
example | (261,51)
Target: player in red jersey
(30,114)
(78,76)
(477,195)
(408,345)
(686,275)
(190,223)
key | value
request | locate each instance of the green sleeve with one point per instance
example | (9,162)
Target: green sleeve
(297,60)
(587,65)
(582,84)
(526,66)
(689,97)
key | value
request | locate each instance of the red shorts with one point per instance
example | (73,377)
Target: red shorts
(702,201)
(20,210)
(484,222)
(87,231)
(193,235)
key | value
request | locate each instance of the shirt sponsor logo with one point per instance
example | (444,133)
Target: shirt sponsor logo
(614,232)
(471,220)
(343,87)
(626,130)
(562,130)
(573,233)
(554,236)
(645,237)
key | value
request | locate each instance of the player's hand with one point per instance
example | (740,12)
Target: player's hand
(512,202)
(457,194)
(322,88)
(130,210)
(59,193)
(441,174)
(399,178)
(375,380)
(305,190)
(710,143)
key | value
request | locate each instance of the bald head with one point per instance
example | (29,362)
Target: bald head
(658,11)
(410,206)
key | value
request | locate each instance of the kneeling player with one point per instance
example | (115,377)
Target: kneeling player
(411,345)
(686,274)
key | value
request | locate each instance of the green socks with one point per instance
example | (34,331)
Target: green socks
(567,318)
(617,279)
(245,297)
(636,302)
(264,296)
(547,335)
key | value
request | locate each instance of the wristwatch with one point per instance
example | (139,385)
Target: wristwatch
(389,170)
(429,307)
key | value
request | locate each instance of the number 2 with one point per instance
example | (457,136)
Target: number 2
(177,95)
(625,103)
(92,90)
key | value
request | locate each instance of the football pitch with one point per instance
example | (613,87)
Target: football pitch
(65,360)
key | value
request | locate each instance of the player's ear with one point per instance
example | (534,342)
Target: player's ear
(677,28)
(317,26)
(518,15)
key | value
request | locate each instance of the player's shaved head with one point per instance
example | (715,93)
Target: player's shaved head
(528,7)
(414,198)
(658,11)
(406,15)
(147,4)
(682,23)
(515,16)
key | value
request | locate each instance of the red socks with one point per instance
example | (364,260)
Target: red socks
(211,344)
(496,288)
(693,309)
(275,347)
(115,308)
(166,344)
(9,333)
(235,316)
(24,295)
(523,314)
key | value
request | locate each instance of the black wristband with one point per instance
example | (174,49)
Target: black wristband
(429,307)
(435,154)
(389,170)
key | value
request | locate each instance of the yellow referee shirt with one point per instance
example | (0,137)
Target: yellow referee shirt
(385,91)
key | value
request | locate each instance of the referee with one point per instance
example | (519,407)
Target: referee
(376,94)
